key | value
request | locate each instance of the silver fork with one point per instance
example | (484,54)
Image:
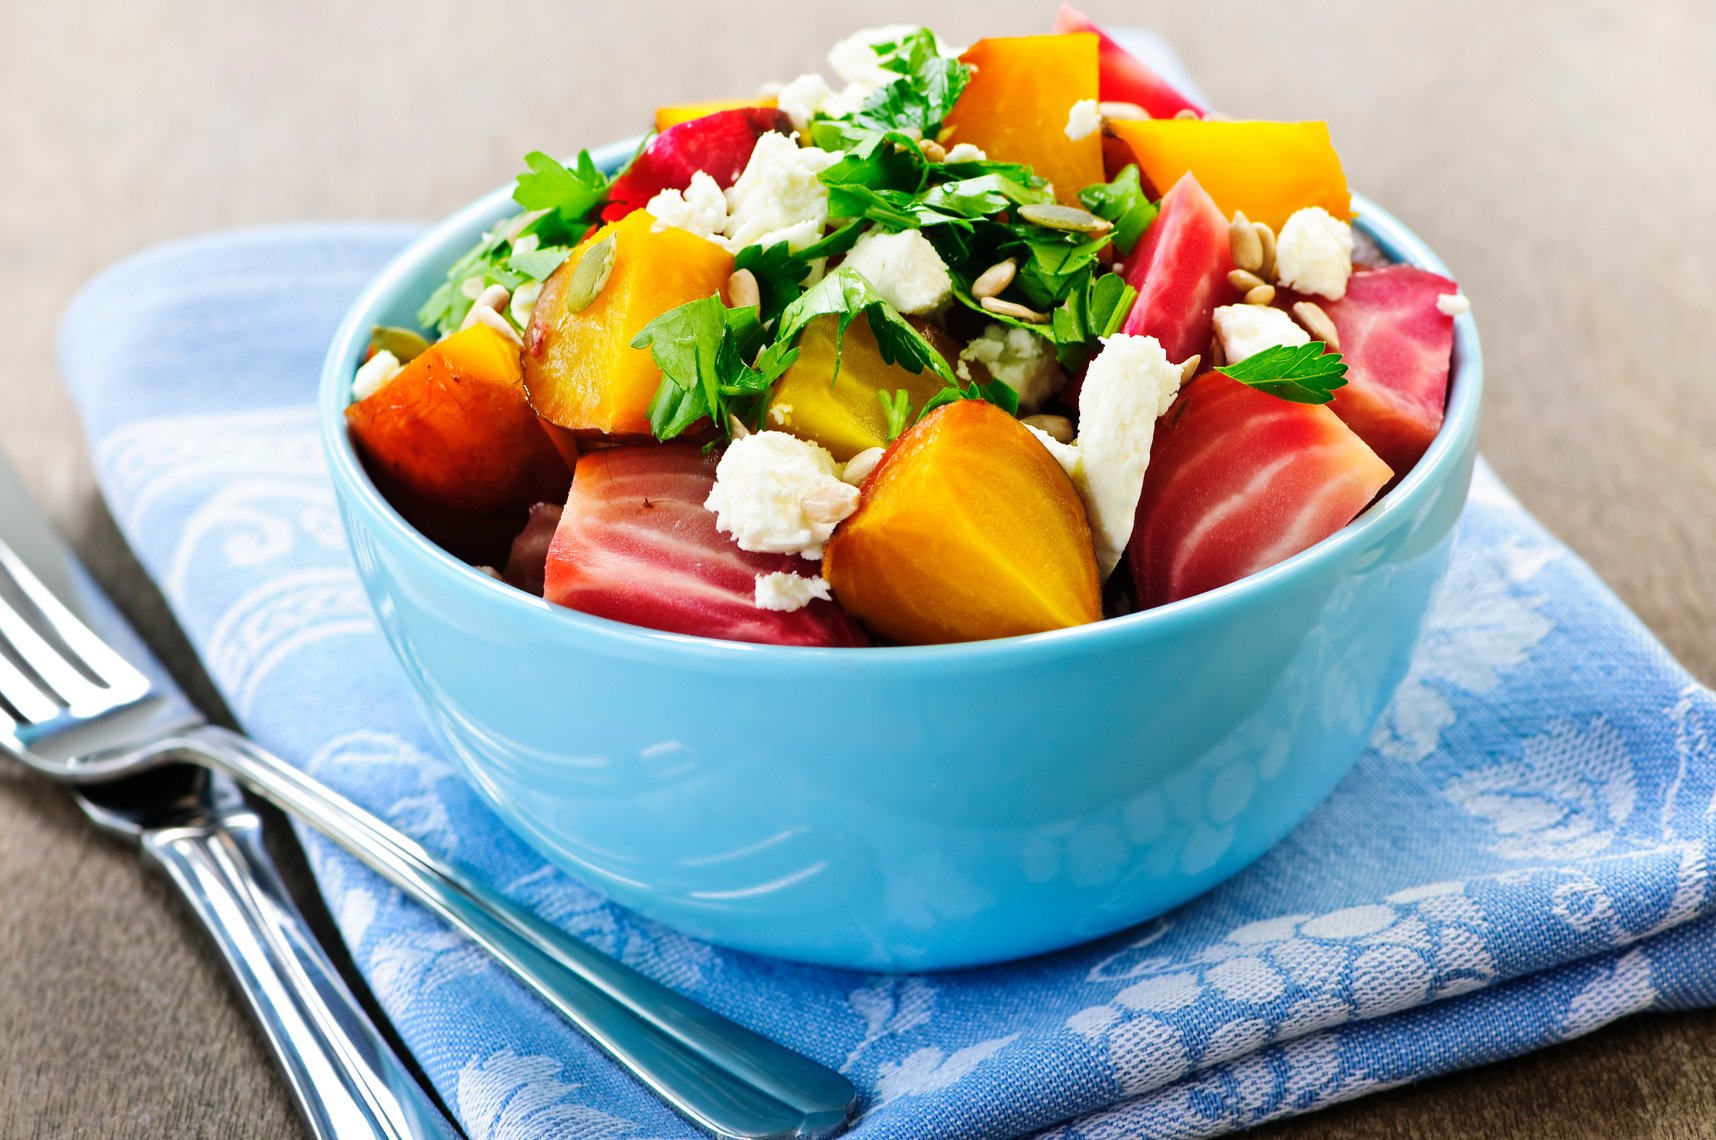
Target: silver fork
(81,712)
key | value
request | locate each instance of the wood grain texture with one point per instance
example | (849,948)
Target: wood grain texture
(1560,157)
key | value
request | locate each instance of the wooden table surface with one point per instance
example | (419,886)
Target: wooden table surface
(1562,158)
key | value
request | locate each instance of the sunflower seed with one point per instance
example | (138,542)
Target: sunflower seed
(993,282)
(1261,295)
(858,468)
(494,297)
(829,503)
(742,289)
(1245,280)
(1115,110)
(1057,428)
(590,275)
(1242,240)
(1186,113)
(1189,368)
(1051,216)
(933,150)
(1266,238)
(1317,323)
(1018,312)
(483,315)
(405,344)
(736,427)
(1218,354)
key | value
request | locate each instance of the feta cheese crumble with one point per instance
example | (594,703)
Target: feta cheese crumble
(1314,253)
(784,592)
(1129,385)
(905,269)
(856,63)
(966,152)
(1246,330)
(1453,304)
(803,98)
(1083,120)
(779,197)
(1068,455)
(1020,359)
(779,494)
(373,375)
(701,208)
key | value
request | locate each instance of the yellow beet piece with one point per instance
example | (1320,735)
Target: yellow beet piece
(580,369)
(666,117)
(968,529)
(1267,170)
(844,416)
(1016,107)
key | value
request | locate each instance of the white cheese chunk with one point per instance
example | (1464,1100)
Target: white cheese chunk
(1314,253)
(779,494)
(1129,385)
(803,98)
(965,152)
(779,197)
(701,208)
(373,374)
(905,269)
(1020,359)
(1069,455)
(1083,120)
(1452,304)
(1246,330)
(784,593)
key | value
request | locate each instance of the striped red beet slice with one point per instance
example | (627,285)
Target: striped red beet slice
(1397,346)
(1239,480)
(635,544)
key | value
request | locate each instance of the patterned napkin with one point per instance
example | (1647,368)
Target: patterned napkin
(1521,856)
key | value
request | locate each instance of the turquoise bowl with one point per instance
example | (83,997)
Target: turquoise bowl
(907,808)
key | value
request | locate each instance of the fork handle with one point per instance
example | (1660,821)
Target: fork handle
(725,1078)
(347,1081)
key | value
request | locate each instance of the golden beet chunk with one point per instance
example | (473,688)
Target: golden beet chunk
(580,368)
(453,428)
(968,529)
(843,412)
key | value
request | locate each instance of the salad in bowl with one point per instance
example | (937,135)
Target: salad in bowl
(963,343)
(945,508)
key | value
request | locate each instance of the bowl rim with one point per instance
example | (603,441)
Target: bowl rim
(353,485)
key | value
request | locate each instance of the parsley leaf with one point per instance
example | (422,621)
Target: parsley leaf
(926,91)
(898,409)
(846,294)
(1304,373)
(985,194)
(1088,315)
(995,392)
(701,348)
(562,202)
(1124,203)
(778,271)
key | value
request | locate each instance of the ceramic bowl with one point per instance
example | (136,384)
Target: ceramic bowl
(907,808)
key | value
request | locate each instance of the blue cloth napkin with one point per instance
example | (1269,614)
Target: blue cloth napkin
(1521,856)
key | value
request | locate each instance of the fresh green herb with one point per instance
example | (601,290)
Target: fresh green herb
(840,241)
(928,87)
(779,273)
(701,348)
(1304,373)
(1124,203)
(983,195)
(540,262)
(570,194)
(994,392)
(565,201)
(898,409)
(845,294)
(1089,314)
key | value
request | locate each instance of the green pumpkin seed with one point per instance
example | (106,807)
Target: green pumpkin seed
(405,344)
(1051,216)
(590,275)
